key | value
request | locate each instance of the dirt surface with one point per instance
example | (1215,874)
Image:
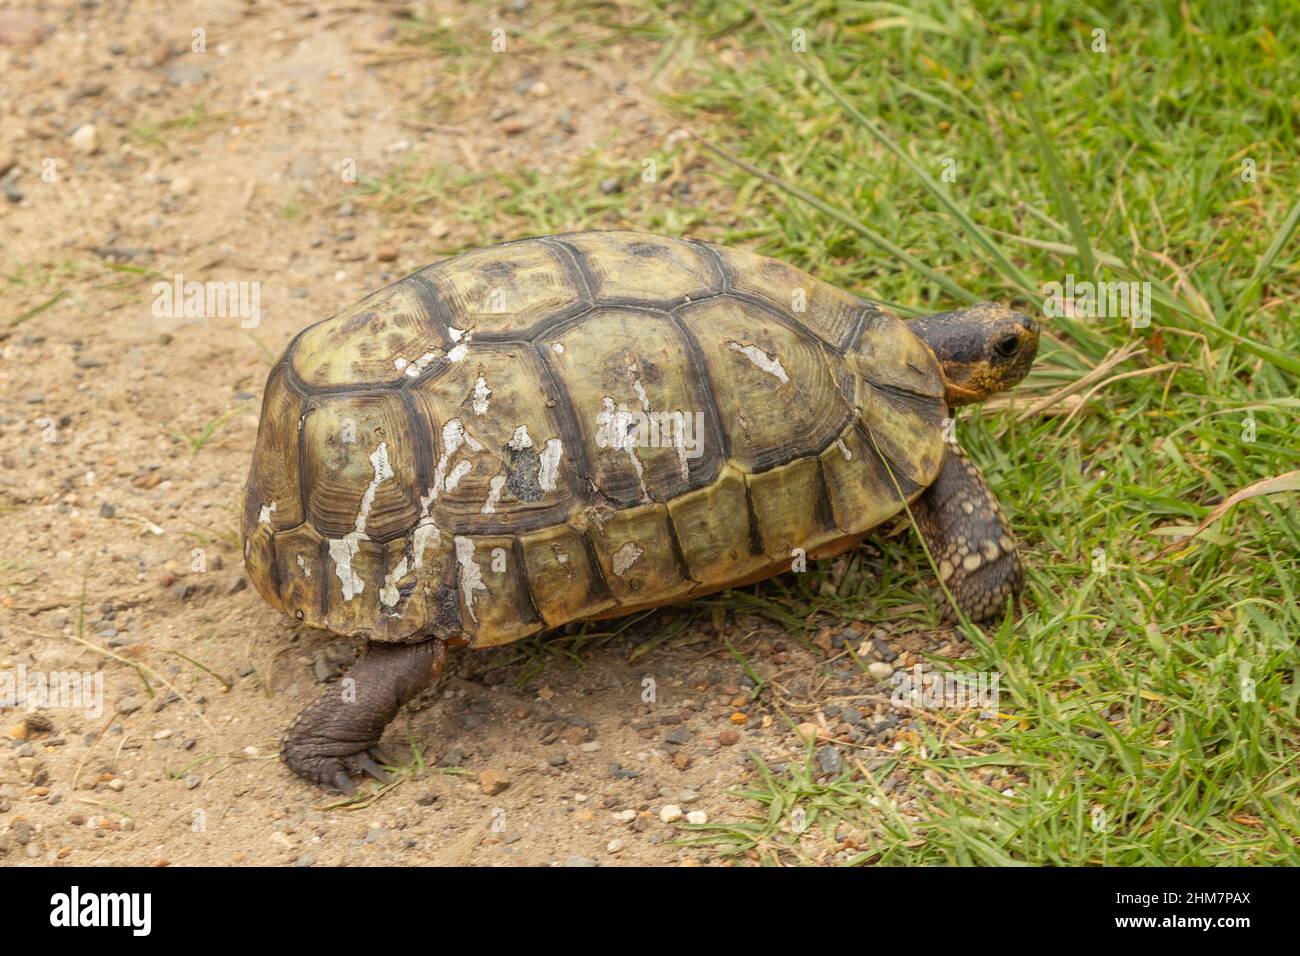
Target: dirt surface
(125,439)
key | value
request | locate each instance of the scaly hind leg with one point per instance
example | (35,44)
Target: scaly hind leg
(969,537)
(338,734)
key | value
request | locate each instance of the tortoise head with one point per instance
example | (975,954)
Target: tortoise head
(983,349)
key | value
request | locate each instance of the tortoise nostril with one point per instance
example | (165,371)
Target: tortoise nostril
(1028,324)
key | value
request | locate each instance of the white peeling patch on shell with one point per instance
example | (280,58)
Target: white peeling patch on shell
(383,471)
(388,594)
(462,469)
(521,439)
(303,565)
(454,438)
(625,557)
(265,516)
(639,388)
(426,533)
(471,576)
(848,455)
(413,369)
(343,550)
(461,337)
(481,396)
(768,363)
(550,464)
(558,347)
(613,423)
(495,486)
(679,446)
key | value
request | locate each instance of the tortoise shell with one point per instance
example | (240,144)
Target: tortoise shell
(578,426)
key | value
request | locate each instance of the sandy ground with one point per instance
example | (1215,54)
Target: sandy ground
(128,155)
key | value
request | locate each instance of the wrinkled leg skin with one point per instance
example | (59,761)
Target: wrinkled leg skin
(338,733)
(969,537)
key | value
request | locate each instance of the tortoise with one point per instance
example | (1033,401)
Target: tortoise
(579,426)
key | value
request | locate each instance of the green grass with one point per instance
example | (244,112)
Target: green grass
(497,205)
(1123,735)
(197,440)
(1121,689)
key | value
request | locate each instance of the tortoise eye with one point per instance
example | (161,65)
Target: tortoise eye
(1007,346)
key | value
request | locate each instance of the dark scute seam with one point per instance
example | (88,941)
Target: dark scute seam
(702,373)
(324,589)
(825,505)
(429,297)
(308,407)
(721,271)
(683,566)
(422,441)
(597,569)
(566,420)
(756,546)
(527,600)
(579,260)
(277,579)
(574,266)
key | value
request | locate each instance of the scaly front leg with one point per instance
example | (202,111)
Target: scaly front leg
(969,537)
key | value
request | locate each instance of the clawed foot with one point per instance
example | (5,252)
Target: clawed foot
(334,771)
(331,763)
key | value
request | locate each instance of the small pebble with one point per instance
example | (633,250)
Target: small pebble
(85,139)
(493,782)
(828,758)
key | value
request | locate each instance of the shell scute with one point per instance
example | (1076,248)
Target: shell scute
(831,314)
(631,268)
(362,456)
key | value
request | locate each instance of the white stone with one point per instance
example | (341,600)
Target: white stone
(85,139)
